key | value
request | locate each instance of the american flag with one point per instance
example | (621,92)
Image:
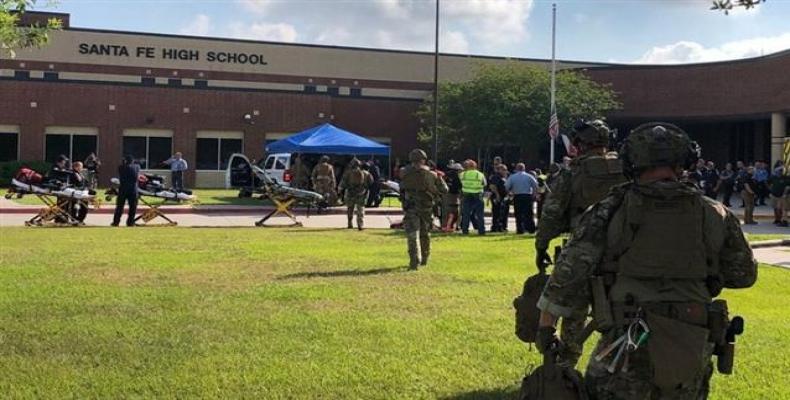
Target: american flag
(554,126)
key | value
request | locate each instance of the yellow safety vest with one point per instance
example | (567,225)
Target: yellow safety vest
(471,181)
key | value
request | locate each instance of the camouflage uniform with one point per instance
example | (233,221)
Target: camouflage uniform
(586,182)
(301,177)
(420,188)
(324,180)
(355,182)
(668,250)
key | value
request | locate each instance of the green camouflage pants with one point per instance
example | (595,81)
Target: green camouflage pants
(636,382)
(417,224)
(325,188)
(570,332)
(355,204)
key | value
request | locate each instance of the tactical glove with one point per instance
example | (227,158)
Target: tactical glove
(542,259)
(546,340)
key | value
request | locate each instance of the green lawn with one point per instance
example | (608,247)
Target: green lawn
(277,313)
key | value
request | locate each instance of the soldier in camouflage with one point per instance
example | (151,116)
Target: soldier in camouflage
(586,182)
(324,182)
(420,188)
(650,257)
(355,182)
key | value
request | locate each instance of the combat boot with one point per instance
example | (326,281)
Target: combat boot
(424,260)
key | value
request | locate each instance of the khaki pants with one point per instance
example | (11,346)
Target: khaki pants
(748,211)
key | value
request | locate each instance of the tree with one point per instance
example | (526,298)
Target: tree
(728,5)
(507,106)
(13,36)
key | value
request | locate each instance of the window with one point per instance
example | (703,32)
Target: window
(309,89)
(148,151)
(22,75)
(75,147)
(200,83)
(269,163)
(9,143)
(50,76)
(281,162)
(207,154)
(356,92)
(213,153)
(333,91)
(148,81)
(174,82)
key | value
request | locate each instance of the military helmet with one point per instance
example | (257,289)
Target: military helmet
(324,159)
(658,144)
(417,155)
(591,133)
(353,163)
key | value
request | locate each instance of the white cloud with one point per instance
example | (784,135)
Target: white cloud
(686,51)
(256,6)
(454,42)
(200,26)
(490,25)
(262,31)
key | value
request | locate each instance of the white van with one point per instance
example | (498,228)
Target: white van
(278,167)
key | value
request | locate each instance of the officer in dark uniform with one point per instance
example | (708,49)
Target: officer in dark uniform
(127,191)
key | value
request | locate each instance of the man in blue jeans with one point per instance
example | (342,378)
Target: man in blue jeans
(473,182)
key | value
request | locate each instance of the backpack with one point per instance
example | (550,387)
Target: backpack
(553,382)
(527,312)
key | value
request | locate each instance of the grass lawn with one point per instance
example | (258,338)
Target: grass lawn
(277,313)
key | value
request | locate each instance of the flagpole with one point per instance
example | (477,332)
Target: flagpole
(553,75)
(436,90)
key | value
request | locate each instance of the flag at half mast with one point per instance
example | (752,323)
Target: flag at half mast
(554,125)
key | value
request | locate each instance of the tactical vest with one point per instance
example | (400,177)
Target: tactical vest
(591,179)
(418,186)
(471,181)
(658,240)
(355,181)
(323,170)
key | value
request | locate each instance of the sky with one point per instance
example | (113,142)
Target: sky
(621,31)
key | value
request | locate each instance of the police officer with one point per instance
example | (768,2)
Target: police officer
(419,189)
(355,183)
(658,252)
(584,183)
(128,172)
(324,182)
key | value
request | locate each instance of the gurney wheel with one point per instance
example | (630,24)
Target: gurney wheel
(27,223)
(8,196)
(258,223)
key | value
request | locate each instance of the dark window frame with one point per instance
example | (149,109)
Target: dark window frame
(147,151)
(220,163)
(70,152)
(15,150)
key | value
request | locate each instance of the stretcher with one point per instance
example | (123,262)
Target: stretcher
(63,205)
(150,189)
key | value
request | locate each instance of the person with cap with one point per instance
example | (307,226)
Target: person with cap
(451,201)
(128,173)
(500,199)
(652,256)
(60,170)
(420,188)
(585,182)
(324,181)
(355,184)
(473,183)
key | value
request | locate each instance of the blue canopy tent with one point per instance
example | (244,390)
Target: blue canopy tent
(328,139)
